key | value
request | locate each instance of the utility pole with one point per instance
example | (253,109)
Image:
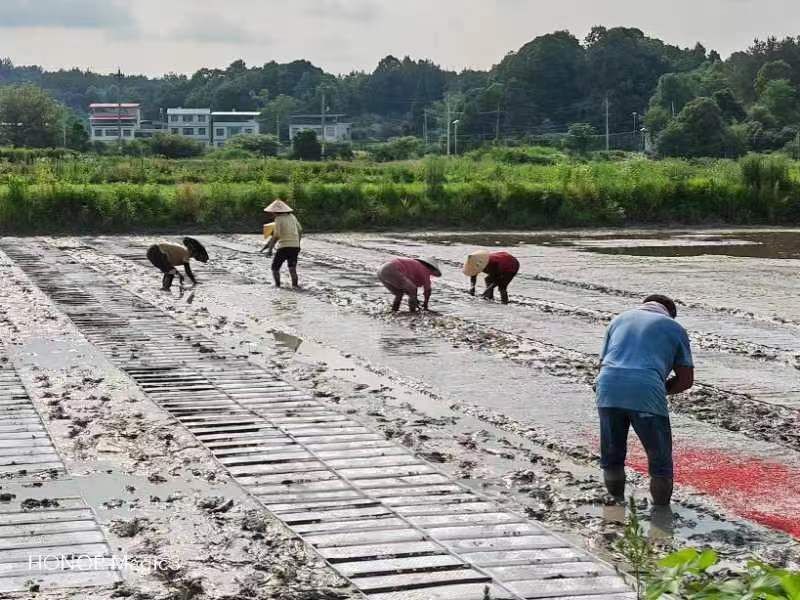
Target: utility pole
(455,137)
(425,125)
(119,107)
(608,134)
(278,125)
(635,120)
(497,126)
(673,109)
(448,127)
(322,112)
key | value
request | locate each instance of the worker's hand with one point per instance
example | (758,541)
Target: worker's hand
(269,253)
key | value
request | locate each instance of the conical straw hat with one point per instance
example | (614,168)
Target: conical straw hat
(431,262)
(278,207)
(476,263)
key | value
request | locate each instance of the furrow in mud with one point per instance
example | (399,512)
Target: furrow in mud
(762,407)
(39,526)
(557,414)
(353,497)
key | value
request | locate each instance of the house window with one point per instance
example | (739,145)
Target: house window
(234,130)
(188,118)
(173,118)
(98,133)
(174,131)
(201,131)
(126,132)
(220,132)
(188,131)
(201,118)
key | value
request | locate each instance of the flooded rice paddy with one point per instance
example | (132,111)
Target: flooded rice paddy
(497,397)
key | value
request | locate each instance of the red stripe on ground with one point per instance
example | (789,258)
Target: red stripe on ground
(759,490)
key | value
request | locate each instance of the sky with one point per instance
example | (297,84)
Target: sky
(154,37)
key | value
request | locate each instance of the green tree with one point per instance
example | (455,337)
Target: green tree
(732,109)
(779,97)
(175,146)
(306,146)
(258,144)
(699,130)
(77,136)
(772,71)
(579,137)
(29,117)
(657,119)
(274,115)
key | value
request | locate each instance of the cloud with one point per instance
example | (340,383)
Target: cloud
(65,14)
(211,29)
(348,10)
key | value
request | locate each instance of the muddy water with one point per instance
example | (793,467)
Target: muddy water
(570,416)
(516,378)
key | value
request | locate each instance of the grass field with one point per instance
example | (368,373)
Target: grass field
(500,188)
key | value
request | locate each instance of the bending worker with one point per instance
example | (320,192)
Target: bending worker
(403,276)
(286,235)
(642,348)
(166,257)
(500,269)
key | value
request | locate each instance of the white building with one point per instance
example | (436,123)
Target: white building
(336,132)
(194,123)
(228,124)
(112,122)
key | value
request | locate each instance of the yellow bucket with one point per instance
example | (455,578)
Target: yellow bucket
(269,228)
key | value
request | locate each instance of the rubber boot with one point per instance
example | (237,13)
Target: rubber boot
(293,274)
(489,293)
(661,491)
(413,304)
(614,479)
(504,295)
(276,276)
(398,300)
(166,282)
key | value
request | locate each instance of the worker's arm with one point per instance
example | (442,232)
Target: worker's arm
(266,245)
(189,273)
(682,381)
(427,298)
(473,281)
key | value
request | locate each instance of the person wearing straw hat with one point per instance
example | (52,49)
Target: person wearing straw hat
(286,235)
(166,257)
(500,269)
(404,276)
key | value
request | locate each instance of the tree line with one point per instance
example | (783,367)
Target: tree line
(691,101)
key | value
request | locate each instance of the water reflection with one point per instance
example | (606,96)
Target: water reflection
(290,341)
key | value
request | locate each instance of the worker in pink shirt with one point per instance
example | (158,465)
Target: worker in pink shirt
(404,276)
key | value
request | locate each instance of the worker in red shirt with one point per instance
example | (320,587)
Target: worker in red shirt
(500,269)
(403,276)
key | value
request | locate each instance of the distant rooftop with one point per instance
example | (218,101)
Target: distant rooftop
(114,105)
(181,110)
(241,113)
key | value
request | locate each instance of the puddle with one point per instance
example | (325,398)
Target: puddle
(784,244)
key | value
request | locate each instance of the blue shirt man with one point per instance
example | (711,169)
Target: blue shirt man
(642,348)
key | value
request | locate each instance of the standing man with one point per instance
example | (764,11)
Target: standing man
(642,348)
(286,234)
(500,269)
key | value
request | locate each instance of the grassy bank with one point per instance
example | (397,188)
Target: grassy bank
(107,195)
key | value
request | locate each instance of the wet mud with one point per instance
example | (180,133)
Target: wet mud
(498,397)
